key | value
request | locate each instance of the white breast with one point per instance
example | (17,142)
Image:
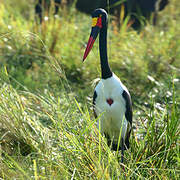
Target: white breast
(112,118)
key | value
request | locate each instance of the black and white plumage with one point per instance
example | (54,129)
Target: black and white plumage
(111,100)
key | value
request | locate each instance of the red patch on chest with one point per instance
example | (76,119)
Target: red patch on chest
(109,101)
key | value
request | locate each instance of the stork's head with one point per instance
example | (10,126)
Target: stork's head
(99,21)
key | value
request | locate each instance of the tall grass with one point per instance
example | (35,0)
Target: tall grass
(47,130)
(52,137)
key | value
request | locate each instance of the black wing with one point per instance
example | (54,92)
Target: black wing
(128,114)
(94,99)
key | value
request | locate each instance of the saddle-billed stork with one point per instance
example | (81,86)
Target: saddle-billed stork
(111,99)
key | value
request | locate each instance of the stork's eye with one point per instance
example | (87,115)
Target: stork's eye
(97,21)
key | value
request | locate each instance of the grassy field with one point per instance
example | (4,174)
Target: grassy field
(47,128)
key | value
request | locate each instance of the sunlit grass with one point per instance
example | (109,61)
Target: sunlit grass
(58,139)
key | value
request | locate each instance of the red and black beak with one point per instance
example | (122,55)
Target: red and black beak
(96,26)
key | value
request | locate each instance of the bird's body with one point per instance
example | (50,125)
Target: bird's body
(110,105)
(111,100)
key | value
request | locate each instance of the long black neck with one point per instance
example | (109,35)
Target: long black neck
(105,69)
